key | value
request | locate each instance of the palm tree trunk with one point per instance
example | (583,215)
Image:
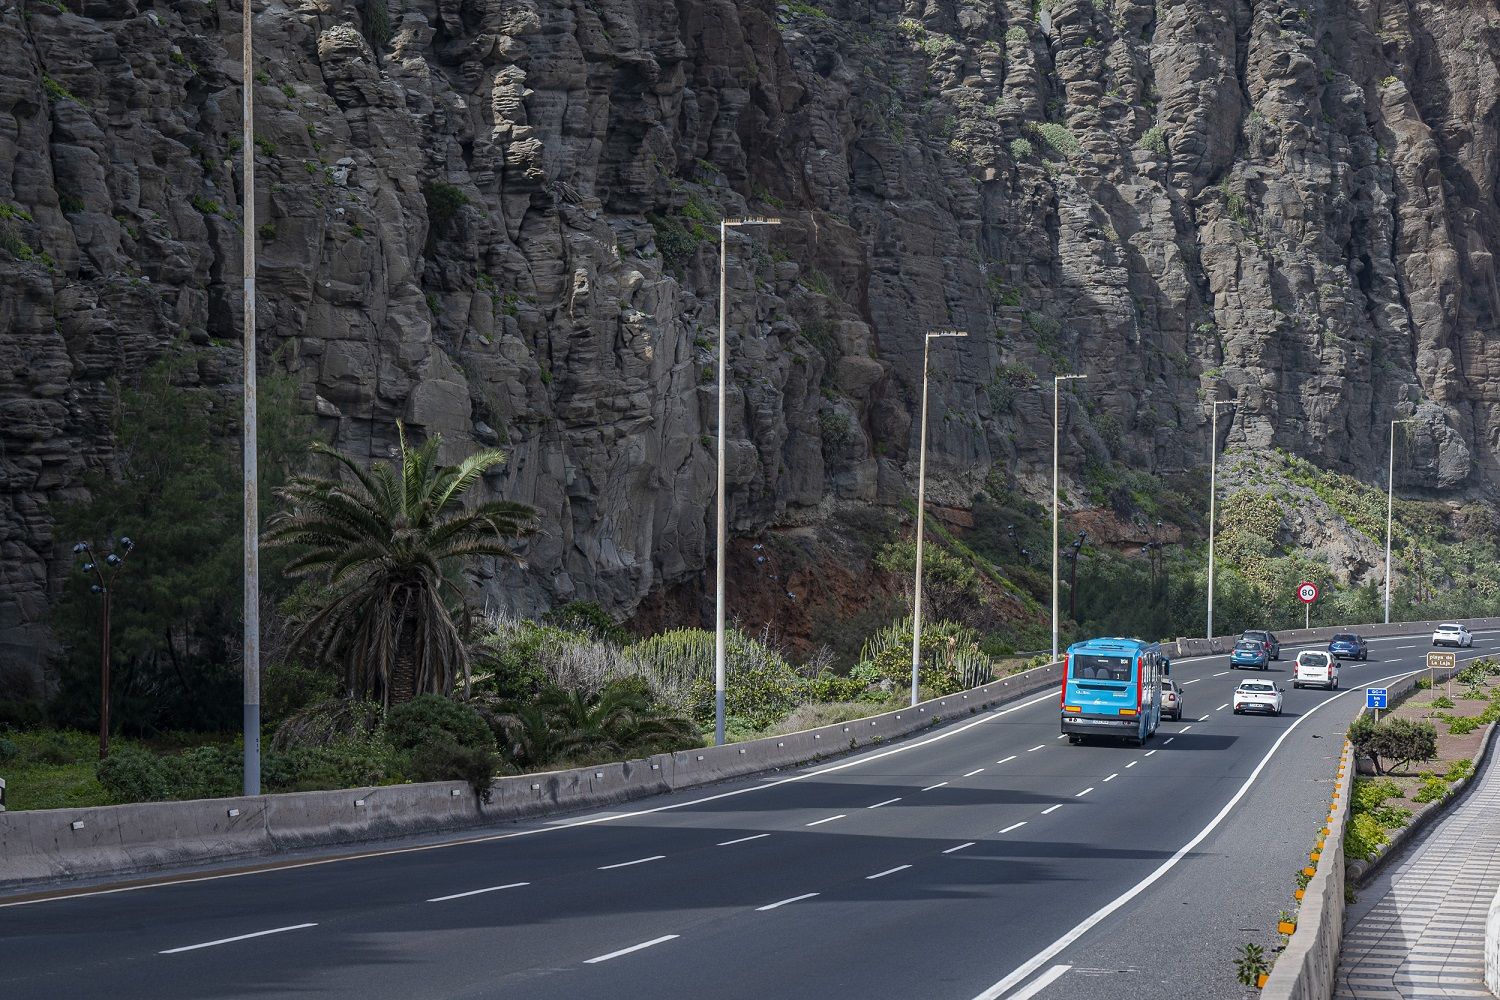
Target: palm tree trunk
(404,670)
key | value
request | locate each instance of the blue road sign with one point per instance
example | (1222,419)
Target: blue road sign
(1374,697)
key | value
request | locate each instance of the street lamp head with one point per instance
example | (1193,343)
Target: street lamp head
(1064,378)
(112,559)
(127,543)
(753,220)
(95,589)
(88,567)
(946,333)
(80,548)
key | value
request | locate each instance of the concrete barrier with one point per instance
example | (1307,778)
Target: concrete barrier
(52,844)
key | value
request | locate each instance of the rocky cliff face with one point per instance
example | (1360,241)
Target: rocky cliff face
(496,220)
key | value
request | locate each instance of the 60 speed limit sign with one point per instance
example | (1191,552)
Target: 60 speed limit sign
(1307,592)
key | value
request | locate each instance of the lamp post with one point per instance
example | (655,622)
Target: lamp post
(1390,502)
(103,585)
(1077,546)
(1213,496)
(916,609)
(248,449)
(1057,381)
(723,528)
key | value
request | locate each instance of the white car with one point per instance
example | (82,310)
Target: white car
(1257,696)
(1315,667)
(1452,635)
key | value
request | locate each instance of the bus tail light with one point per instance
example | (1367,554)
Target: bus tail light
(1071,708)
(1128,711)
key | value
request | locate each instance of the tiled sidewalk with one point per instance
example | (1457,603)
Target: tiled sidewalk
(1424,936)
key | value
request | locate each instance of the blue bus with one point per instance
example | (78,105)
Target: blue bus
(1112,687)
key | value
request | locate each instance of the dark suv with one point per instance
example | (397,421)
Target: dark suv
(1267,639)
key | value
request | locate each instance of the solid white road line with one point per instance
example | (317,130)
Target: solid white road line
(888,871)
(1037,747)
(830,819)
(885,803)
(1050,809)
(794,899)
(1081,794)
(1222,707)
(929,788)
(1091,921)
(1112,777)
(1036,986)
(973,772)
(477,892)
(237,937)
(635,947)
(742,840)
(627,864)
(959,847)
(1195,680)
(1150,752)
(1014,826)
(1006,760)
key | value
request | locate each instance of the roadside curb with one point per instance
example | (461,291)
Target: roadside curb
(1360,872)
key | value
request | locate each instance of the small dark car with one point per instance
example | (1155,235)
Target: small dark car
(1347,644)
(1272,644)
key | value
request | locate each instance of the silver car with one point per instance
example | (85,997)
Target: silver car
(1171,701)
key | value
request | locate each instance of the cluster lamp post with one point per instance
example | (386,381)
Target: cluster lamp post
(723,528)
(1213,496)
(916,611)
(103,585)
(1390,501)
(1057,381)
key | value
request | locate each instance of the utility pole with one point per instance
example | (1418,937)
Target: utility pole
(1057,381)
(251,433)
(1390,502)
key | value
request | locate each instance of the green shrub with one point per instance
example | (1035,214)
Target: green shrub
(1461,725)
(133,775)
(431,719)
(1460,770)
(1362,837)
(8,750)
(325,722)
(1442,701)
(1397,742)
(450,761)
(345,763)
(1433,788)
(1368,794)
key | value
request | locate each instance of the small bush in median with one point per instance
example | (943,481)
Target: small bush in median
(431,719)
(1397,742)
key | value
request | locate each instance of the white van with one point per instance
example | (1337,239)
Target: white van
(1315,667)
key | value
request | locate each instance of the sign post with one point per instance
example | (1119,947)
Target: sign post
(1436,662)
(1307,593)
(1375,699)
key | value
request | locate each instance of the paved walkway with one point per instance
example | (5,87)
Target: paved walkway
(1418,929)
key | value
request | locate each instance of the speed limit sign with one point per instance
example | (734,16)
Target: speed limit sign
(1307,592)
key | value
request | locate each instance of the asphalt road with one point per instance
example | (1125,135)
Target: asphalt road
(986,858)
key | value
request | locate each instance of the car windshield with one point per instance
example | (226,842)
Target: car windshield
(1167,686)
(1259,636)
(1257,688)
(1450,628)
(1248,647)
(1346,637)
(1311,659)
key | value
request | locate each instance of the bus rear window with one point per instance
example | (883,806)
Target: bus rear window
(1092,667)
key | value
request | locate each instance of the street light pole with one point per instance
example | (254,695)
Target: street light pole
(916,610)
(1213,496)
(1390,503)
(248,449)
(720,514)
(104,587)
(1057,380)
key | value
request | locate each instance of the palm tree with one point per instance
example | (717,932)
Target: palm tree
(389,547)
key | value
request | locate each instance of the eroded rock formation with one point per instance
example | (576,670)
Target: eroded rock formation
(496,220)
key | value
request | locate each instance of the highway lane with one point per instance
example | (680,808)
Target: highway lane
(891,869)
